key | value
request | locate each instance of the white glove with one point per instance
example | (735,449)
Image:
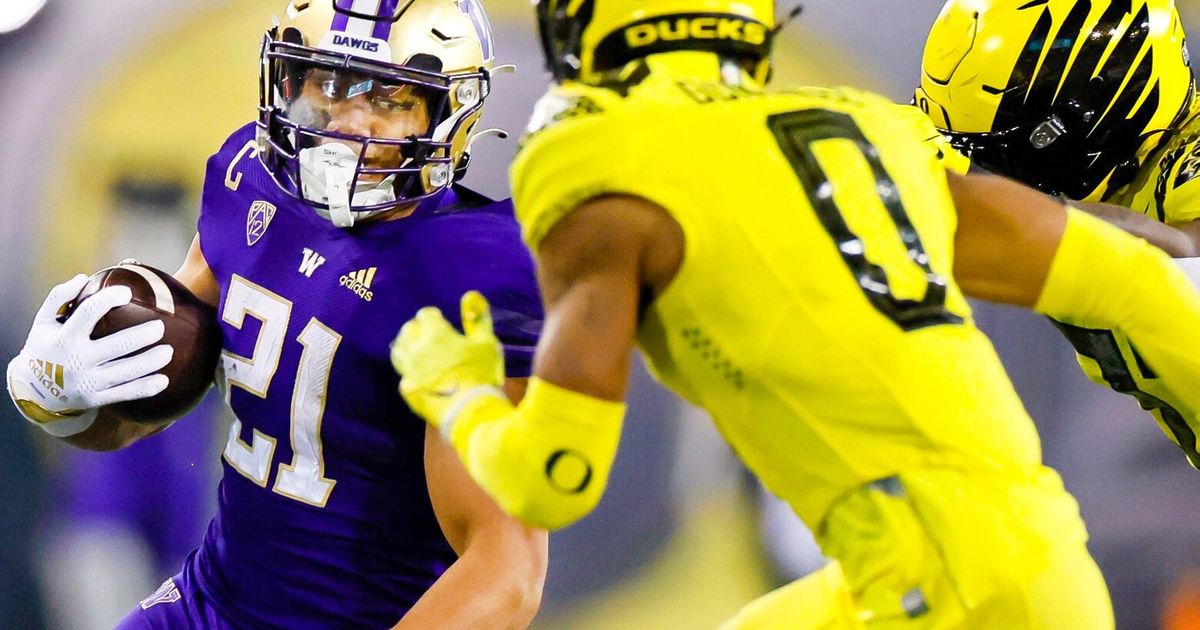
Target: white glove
(62,375)
(1191,267)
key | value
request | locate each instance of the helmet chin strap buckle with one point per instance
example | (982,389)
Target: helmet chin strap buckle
(1046,133)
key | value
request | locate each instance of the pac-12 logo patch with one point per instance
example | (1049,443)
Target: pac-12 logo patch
(257,220)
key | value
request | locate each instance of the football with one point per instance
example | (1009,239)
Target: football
(190,327)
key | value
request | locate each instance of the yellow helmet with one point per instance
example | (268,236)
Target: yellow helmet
(390,57)
(582,38)
(1064,95)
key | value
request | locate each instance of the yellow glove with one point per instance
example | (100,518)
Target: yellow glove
(546,461)
(442,369)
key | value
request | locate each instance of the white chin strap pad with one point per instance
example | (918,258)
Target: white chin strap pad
(337,193)
(326,172)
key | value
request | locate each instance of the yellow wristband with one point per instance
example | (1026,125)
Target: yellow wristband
(1091,276)
(545,461)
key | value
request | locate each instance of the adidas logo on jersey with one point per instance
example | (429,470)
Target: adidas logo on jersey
(360,282)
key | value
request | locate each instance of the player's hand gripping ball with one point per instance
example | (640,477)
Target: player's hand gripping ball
(189,327)
(440,367)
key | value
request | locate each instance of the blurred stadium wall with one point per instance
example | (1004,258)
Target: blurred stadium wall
(107,116)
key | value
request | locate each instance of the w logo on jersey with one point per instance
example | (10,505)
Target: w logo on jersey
(166,594)
(310,262)
(257,220)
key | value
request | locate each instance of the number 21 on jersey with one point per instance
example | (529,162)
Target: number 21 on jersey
(303,479)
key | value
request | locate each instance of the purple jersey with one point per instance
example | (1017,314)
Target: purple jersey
(324,516)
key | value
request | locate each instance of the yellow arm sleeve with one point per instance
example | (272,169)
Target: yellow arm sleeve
(1102,278)
(545,461)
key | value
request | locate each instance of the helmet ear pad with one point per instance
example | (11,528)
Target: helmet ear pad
(435,107)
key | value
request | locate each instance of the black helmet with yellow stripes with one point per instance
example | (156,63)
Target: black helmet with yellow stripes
(1068,96)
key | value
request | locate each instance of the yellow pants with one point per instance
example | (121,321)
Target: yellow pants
(818,601)
(941,549)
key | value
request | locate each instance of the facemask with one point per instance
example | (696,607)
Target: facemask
(326,173)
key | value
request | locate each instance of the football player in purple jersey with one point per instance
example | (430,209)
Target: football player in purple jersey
(324,226)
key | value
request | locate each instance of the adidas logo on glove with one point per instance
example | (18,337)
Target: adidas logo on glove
(50,376)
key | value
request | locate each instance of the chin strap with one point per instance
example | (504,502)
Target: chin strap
(326,175)
(337,193)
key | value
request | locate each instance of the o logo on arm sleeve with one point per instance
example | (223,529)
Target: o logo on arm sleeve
(568,471)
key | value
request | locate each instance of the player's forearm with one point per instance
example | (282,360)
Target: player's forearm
(1102,278)
(1005,239)
(110,432)
(545,461)
(497,583)
(1175,242)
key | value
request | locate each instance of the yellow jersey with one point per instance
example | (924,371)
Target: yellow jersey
(952,160)
(814,315)
(1167,188)
(1168,185)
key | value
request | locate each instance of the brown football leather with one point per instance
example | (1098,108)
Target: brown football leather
(191,330)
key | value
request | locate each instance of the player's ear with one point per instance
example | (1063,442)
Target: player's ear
(476,315)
